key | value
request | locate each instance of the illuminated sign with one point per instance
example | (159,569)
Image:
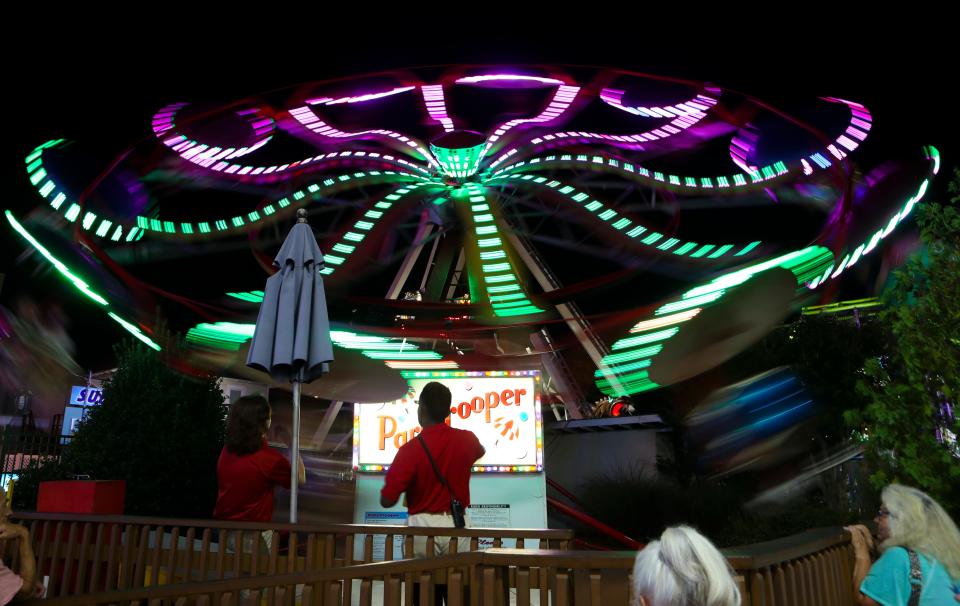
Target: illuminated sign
(85,396)
(502,408)
(72,416)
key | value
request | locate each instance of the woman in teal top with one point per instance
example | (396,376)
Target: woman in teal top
(908,520)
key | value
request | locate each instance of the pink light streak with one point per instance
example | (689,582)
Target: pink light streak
(436,106)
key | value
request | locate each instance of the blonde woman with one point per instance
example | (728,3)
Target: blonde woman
(12,584)
(919,549)
(683,568)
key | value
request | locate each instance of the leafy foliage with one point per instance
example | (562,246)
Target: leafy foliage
(909,422)
(158,429)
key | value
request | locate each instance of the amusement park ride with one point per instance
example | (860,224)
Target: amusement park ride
(624,232)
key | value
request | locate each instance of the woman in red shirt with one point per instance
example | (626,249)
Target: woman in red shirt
(248,469)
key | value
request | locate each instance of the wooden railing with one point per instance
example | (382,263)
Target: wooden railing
(87,554)
(813,567)
(118,559)
(524,573)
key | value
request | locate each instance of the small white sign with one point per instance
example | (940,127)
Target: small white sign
(380,540)
(489,516)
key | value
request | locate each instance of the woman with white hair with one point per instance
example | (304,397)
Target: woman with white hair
(683,568)
(919,545)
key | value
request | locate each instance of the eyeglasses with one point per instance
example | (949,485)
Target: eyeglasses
(883,513)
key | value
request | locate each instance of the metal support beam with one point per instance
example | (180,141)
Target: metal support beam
(328,418)
(560,374)
(423,232)
(457,275)
(578,324)
(570,313)
(429,268)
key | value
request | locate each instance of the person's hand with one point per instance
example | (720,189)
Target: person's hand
(9,530)
(862,541)
(861,538)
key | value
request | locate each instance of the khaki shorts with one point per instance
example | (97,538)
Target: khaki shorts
(264,543)
(441,544)
(263,540)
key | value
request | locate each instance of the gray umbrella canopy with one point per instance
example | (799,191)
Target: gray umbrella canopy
(292,338)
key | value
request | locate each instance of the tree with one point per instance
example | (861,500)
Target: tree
(158,429)
(909,424)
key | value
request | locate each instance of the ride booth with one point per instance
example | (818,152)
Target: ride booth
(502,408)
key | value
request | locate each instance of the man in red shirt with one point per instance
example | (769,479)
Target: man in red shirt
(453,450)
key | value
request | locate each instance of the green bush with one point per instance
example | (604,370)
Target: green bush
(780,521)
(641,505)
(159,429)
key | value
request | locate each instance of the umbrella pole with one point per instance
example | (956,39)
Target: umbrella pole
(295,452)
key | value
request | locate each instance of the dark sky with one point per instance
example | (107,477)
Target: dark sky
(101,84)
